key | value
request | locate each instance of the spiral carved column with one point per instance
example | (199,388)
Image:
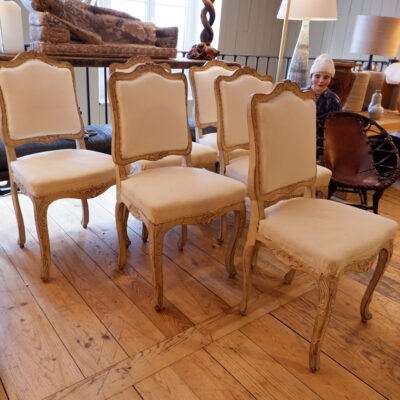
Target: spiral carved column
(203,50)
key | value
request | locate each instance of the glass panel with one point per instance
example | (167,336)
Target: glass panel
(172,16)
(135,8)
(179,3)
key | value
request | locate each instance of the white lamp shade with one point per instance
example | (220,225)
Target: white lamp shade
(392,73)
(319,10)
(376,35)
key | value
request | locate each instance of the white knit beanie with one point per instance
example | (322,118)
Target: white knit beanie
(323,63)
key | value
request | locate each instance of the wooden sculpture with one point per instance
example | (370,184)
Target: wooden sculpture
(74,28)
(203,50)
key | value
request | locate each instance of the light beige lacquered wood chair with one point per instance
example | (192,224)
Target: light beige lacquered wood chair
(38,104)
(205,109)
(232,95)
(169,196)
(202,156)
(320,237)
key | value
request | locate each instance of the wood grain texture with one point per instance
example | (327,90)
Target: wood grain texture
(237,356)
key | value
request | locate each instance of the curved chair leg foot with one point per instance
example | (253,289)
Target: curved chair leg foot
(289,276)
(222,229)
(85,213)
(375,200)
(240,218)
(247,257)
(383,261)
(145,233)
(40,211)
(327,294)
(182,237)
(18,214)
(120,211)
(125,226)
(156,234)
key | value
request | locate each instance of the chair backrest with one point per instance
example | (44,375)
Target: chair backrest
(202,83)
(282,141)
(149,114)
(132,63)
(232,95)
(38,100)
(346,149)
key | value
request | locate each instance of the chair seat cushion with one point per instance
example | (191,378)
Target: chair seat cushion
(323,176)
(325,235)
(166,194)
(52,172)
(210,140)
(238,169)
(202,157)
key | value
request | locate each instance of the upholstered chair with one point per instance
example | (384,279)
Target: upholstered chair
(202,156)
(320,237)
(205,108)
(169,196)
(38,104)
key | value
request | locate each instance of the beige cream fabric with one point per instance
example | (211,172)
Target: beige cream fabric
(324,234)
(167,130)
(34,110)
(63,170)
(202,157)
(323,176)
(238,169)
(279,128)
(234,98)
(210,140)
(204,81)
(165,194)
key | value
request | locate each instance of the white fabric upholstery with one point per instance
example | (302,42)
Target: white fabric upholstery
(234,98)
(137,99)
(204,81)
(323,176)
(279,128)
(202,157)
(238,169)
(210,140)
(166,194)
(34,110)
(63,170)
(324,234)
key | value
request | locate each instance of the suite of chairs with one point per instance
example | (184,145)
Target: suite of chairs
(266,150)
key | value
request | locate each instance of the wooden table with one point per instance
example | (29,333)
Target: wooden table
(390,121)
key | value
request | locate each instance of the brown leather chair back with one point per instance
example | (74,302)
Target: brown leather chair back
(346,149)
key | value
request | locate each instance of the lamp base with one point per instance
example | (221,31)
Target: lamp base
(298,69)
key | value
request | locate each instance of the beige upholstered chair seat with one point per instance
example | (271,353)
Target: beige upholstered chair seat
(210,140)
(159,192)
(202,157)
(239,168)
(325,234)
(58,171)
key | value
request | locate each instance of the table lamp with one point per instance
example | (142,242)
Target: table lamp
(376,35)
(305,11)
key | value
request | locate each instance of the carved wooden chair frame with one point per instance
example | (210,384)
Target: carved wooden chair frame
(224,149)
(259,201)
(42,203)
(156,232)
(192,72)
(134,61)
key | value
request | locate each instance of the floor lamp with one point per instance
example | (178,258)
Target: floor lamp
(305,11)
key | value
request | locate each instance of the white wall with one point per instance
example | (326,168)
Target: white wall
(251,27)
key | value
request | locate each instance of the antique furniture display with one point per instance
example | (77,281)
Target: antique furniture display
(38,104)
(320,237)
(71,27)
(361,155)
(169,196)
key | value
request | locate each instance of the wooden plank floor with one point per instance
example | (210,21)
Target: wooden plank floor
(91,332)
